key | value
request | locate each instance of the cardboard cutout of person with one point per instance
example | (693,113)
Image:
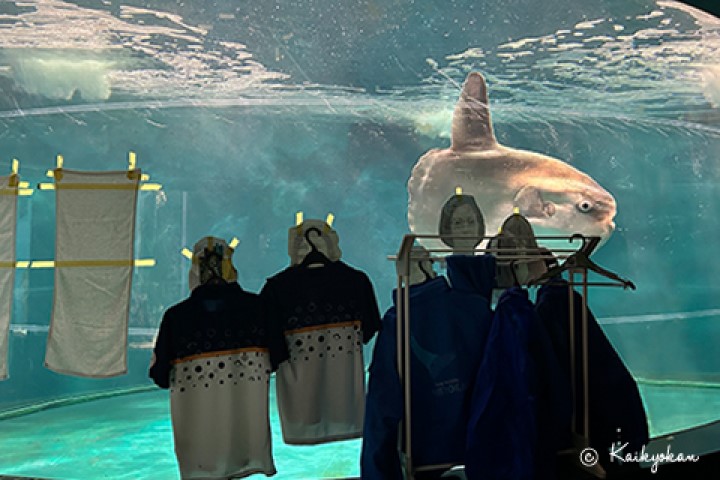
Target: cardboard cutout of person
(461,216)
(211,262)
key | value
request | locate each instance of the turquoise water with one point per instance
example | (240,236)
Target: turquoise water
(130,437)
(247,112)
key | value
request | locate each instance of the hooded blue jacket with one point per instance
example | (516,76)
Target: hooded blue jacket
(449,328)
(518,398)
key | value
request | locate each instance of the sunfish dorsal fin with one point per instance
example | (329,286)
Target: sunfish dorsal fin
(471,126)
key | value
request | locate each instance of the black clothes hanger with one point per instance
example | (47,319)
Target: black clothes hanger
(315,256)
(581,259)
(549,258)
(427,274)
(513,269)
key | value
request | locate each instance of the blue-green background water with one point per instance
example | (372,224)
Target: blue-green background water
(247,112)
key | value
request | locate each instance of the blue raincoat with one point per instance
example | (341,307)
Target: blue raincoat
(519,398)
(449,327)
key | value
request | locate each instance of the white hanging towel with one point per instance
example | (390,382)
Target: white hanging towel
(8,212)
(95,230)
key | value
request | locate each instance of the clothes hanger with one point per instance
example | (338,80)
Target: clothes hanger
(516,282)
(425,272)
(581,259)
(315,256)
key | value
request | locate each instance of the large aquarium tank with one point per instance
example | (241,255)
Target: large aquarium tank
(248,112)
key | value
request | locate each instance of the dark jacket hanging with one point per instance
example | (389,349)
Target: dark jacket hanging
(517,400)
(616,412)
(449,326)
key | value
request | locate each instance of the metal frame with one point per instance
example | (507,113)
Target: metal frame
(402,265)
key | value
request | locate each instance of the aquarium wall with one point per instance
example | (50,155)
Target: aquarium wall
(249,112)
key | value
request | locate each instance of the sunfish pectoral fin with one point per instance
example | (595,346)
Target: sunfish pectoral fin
(531,203)
(471,127)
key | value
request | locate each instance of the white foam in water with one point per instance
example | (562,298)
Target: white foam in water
(711,84)
(63,78)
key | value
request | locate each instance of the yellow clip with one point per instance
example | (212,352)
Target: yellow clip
(24,185)
(22,264)
(46,186)
(299,222)
(516,210)
(57,173)
(25,192)
(234,243)
(330,219)
(132,160)
(150,187)
(14,180)
(185,252)
(144,177)
(458,190)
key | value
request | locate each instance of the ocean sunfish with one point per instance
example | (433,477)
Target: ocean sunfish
(556,198)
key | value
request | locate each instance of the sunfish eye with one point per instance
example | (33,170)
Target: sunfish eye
(584,206)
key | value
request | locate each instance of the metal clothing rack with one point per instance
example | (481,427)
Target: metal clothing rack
(576,263)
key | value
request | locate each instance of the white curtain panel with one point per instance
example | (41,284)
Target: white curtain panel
(8,222)
(95,231)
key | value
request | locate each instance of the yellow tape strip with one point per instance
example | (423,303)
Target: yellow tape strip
(145,177)
(148,187)
(186,253)
(18,264)
(234,243)
(145,262)
(42,264)
(15,166)
(94,186)
(21,192)
(132,161)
